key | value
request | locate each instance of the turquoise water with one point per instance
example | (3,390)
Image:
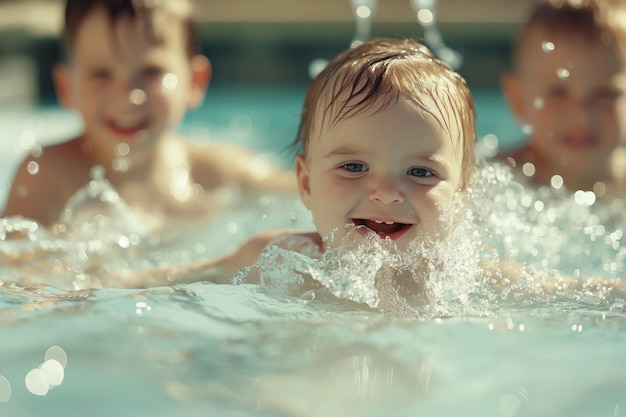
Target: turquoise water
(238,350)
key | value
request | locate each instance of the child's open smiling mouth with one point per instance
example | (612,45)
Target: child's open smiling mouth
(127,130)
(384,228)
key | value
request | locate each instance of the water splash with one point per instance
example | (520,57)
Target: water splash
(364,11)
(434,277)
(426,14)
(95,227)
(552,231)
(97,212)
(546,230)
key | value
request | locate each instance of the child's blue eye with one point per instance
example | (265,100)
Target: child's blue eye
(355,167)
(419,172)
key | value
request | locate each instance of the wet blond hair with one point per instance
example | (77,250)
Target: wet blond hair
(374,75)
(155,13)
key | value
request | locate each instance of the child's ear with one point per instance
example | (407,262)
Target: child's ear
(62,85)
(201,71)
(512,89)
(302,174)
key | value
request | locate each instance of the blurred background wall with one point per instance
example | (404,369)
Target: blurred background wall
(268,41)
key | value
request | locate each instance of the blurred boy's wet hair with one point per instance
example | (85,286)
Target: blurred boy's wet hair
(591,20)
(155,14)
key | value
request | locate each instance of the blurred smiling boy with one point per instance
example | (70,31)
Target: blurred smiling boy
(132,71)
(566,89)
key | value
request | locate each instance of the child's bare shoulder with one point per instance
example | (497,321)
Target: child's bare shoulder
(31,194)
(619,160)
(215,164)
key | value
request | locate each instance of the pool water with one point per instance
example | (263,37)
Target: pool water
(238,350)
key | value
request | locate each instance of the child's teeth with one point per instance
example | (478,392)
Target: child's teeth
(378,221)
(389,222)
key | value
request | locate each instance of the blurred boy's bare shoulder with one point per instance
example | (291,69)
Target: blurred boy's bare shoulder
(619,169)
(43,182)
(219,164)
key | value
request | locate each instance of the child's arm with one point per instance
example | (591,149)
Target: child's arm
(43,184)
(219,271)
(30,196)
(510,273)
(240,167)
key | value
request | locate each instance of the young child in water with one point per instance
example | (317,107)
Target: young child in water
(566,89)
(387,151)
(387,141)
(133,70)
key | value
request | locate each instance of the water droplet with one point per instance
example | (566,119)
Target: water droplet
(490,141)
(27,140)
(556,182)
(547,46)
(425,17)
(5,390)
(527,129)
(170,81)
(121,164)
(140,306)
(316,66)
(37,382)
(232,227)
(528,169)
(264,201)
(97,173)
(199,248)
(356,43)
(538,103)
(57,353)
(562,73)
(363,12)
(585,198)
(32,167)
(53,371)
(137,96)
(122,149)
(599,188)
(123,242)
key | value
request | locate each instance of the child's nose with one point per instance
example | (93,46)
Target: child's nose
(386,191)
(581,104)
(130,92)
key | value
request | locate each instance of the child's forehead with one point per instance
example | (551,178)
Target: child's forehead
(548,36)
(424,120)
(128,30)
(158,26)
(548,47)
